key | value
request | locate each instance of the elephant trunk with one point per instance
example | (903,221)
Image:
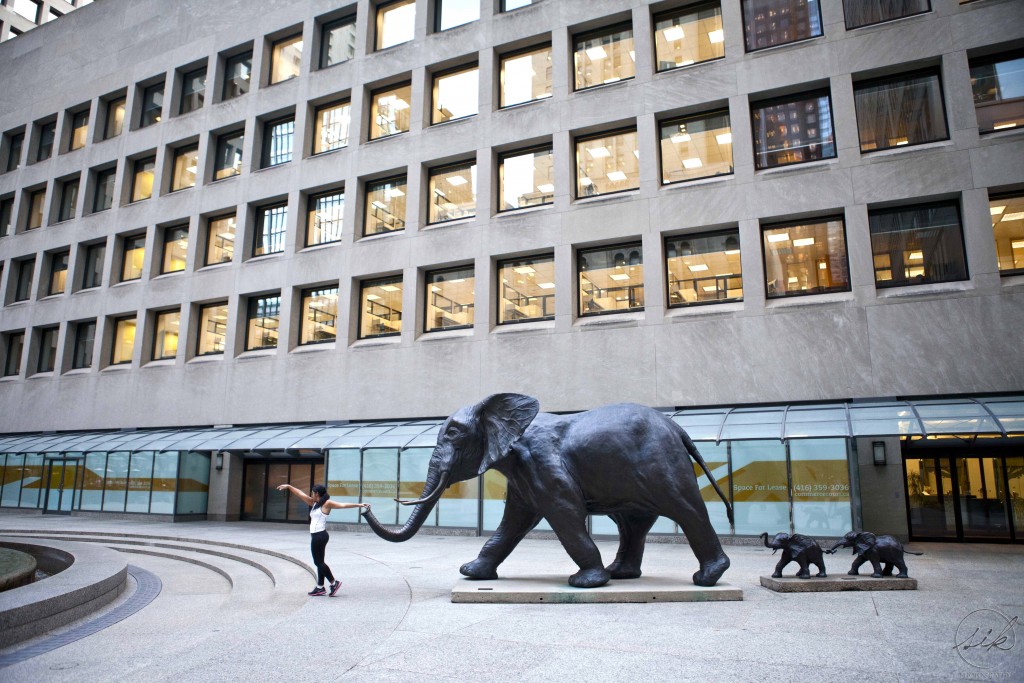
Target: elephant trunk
(433,488)
(764,539)
(836,546)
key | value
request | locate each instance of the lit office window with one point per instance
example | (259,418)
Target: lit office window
(337,42)
(47,349)
(998,86)
(526,178)
(165,335)
(58,273)
(103,198)
(220,244)
(385,205)
(696,147)
(509,5)
(380,312)
(605,56)
(23,285)
(79,129)
(1008,229)
(213,329)
(134,257)
(270,230)
(285,59)
(114,123)
(36,205)
(16,142)
(262,320)
(526,289)
(228,161)
(68,200)
(450,299)
(143,178)
(607,163)
(396,23)
(124,341)
(526,76)
(278,138)
(92,272)
(689,36)
(332,127)
(704,268)
(193,91)
(237,75)
(452,13)
(175,249)
(452,192)
(917,245)
(611,279)
(319,316)
(866,12)
(152,105)
(806,258)
(793,130)
(186,166)
(85,341)
(455,95)
(6,216)
(767,23)
(12,358)
(900,110)
(389,111)
(325,218)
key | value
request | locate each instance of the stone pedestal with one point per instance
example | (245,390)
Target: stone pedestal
(843,582)
(554,589)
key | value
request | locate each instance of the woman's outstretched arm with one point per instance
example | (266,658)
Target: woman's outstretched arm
(335,505)
(304,496)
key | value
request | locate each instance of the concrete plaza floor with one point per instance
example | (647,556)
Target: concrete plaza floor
(393,619)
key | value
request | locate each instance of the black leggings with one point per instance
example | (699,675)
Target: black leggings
(318,546)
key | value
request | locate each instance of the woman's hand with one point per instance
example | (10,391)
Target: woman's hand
(282,487)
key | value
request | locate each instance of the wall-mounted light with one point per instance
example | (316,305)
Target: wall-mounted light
(878,452)
(220,461)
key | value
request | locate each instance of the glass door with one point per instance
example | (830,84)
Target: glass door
(930,498)
(984,514)
(263,502)
(61,476)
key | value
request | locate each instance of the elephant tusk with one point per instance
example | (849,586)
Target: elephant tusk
(430,497)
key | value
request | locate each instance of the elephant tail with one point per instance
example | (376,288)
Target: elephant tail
(911,552)
(695,454)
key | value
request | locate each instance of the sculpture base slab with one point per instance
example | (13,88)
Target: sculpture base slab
(790,584)
(555,589)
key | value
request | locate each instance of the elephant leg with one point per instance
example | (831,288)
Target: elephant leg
(569,524)
(633,528)
(819,562)
(786,559)
(805,572)
(696,524)
(516,522)
(857,562)
(902,566)
(887,569)
(876,567)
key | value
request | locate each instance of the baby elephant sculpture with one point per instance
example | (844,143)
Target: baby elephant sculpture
(798,548)
(877,550)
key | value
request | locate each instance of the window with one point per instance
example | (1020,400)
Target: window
(103,198)
(455,95)
(704,268)
(193,91)
(325,218)
(337,42)
(285,59)
(526,76)
(380,313)
(92,273)
(270,230)
(12,358)
(277,141)
(263,318)
(389,111)
(228,161)
(450,299)
(124,341)
(29,9)
(689,36)
(85,340)
(611,279)
(319,316)
(186,166)
(917,245)
(114,122)
(143,178)
(134,257)
(36,204)
(175,249)
(793,130)
(396,23)
(47,132)
(79,129)
(806,258)
(68,200)
(385,205)
(58,273)
(332,126)
(509,5)
(696,147)
(237,75)
(152,105)
(15,142)
(866,12)
(767,23)
(604,57)
(165,335)
(213,329)
(1008,229)
(905,110)
(6,216)
(452,193)
(452,13)
(47,349)
(220,243)
(607,163)
(526,289)
(998,85)
(23,284)
(526,178)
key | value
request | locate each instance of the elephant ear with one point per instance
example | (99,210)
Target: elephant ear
(864,543)
(502,419)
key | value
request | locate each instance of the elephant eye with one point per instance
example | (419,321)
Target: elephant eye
(454,432)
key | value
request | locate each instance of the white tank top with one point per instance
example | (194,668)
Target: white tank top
(317,520)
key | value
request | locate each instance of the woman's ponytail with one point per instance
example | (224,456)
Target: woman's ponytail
(322,496)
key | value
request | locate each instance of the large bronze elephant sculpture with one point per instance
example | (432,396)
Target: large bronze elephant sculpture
(626,461)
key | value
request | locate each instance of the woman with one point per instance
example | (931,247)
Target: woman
(321,506)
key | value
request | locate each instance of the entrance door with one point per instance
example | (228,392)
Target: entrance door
(984,514)
(262,501)
(930,498)
(61,477)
